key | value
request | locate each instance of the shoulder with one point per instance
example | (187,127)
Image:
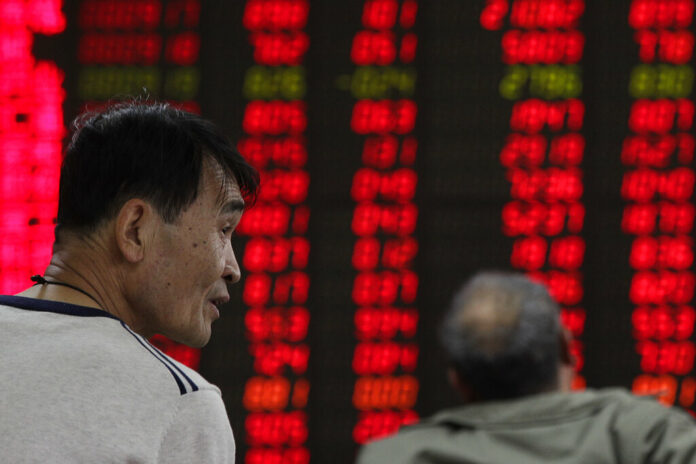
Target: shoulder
(155,366)
(404,446)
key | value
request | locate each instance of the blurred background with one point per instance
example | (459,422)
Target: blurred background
(403,145)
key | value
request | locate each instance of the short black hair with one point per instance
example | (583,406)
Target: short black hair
(146,150)
(502,335)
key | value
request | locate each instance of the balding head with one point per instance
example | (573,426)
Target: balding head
(502,335)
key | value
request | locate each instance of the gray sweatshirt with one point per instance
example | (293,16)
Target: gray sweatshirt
(77,385)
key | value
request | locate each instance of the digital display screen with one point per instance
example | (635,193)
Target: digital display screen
(403,145)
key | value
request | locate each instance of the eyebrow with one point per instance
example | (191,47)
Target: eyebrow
(232,206)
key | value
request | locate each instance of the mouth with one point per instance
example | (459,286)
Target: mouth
(215,303)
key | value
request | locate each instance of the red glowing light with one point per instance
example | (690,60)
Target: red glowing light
(676,218)
(274,255)
(291,287)
(574,320)
(525,151)
(380,14)
(296,455)
(399,185)
(567,149)
(660,14)
(407,51)
(663,322)
(275,15)
(674,47)
(383,358)
(409,9)
(641,219)
(385,392)
(666,357)
(655,150)
(385,322)
(529,253)
(184,354)
(399,252)
(31,127)
(661,116)
(493,14)
(119,49)
(565,287)
(663,252)
(114,14)
(553,184)
(287,152)
(534,218)
(380,151)
(397,219)
(377,424)
(528,151)
(642,184)
(271,358)
(182,12)
(266,394)
(274,118)
(182,49)
(279,48)
(532,115)
(384,116)
(290,187)
(265,219)
(276,428)
(383,288)
(538,47)
(567,253)
(662,287)
(277,324)
(546,14)
(664,387)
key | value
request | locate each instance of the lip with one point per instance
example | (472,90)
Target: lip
(214,309)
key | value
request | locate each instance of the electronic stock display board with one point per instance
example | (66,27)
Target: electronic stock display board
(403,145)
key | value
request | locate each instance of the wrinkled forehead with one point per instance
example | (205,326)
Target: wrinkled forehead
(221,181)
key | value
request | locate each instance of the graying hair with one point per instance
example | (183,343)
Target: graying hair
(502,334)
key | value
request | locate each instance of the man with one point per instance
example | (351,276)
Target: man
(510,361)
(149,198)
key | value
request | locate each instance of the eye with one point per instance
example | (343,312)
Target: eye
(227,231)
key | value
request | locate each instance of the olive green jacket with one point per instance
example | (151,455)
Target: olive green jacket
(591,427)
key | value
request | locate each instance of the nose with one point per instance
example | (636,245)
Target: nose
(231,273)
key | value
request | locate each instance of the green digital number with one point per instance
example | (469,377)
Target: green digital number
(103,83)
(661,81)
(382,82)
(182,83)
(265,83)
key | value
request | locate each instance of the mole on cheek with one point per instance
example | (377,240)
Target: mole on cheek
(195,245)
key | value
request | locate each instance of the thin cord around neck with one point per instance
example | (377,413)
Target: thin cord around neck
(40,280)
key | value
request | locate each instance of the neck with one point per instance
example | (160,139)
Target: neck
(87,268)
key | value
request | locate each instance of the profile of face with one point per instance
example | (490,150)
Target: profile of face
(191,262)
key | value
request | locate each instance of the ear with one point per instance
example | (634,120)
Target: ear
(134,227)
(460,386)
(566,339)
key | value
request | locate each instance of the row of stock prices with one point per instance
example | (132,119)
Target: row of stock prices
(549,137)
(31,132)
(542,49)
(657,187)
(274,261)
(384,220)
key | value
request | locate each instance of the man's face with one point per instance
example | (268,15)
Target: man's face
(192,262)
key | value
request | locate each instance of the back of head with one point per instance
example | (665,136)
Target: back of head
(502,335)
(146,150)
